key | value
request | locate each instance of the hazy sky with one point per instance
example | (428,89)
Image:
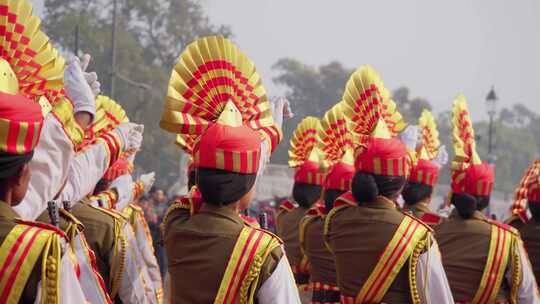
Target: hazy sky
(436,48)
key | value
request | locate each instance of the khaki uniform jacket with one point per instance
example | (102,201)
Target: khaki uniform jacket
(422,211)
(198,249)
(357,236)
(322,268)
(530,234)
(287,225)
(7,223)
(464,245)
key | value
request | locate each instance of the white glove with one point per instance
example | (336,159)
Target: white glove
(77,89)
(281,110)
(264,160)
(90,77)
(148,180)
(442,157)
(131,135)
(124,187)
(411,137)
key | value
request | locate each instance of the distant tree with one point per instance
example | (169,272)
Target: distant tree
(150,36)
(410,108)
(311,91)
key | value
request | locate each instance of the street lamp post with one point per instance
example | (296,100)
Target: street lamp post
(491,103)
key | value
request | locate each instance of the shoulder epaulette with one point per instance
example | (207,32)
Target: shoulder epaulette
(345,199)
(503,226)
(70,217)
(287,205)
(431,218)
(42,226)
(109,212)
(250,221)
(316,210)
(418,220)
(270,234)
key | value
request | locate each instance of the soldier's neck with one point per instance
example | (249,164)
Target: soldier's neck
(6,196)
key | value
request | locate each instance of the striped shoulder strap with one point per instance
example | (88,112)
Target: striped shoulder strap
(500,253)
(328,222)
(20,252)
(401,247)
(245,262)
(315,212)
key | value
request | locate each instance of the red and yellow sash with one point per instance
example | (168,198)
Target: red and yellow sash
(242,273)
(19,254)
(401,247)
(500,248)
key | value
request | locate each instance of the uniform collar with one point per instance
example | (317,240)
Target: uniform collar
(477,215)
(382,203)
(422,207)
(7,212)
(225,212)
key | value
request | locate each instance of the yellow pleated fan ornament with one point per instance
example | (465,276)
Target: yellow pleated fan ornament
(336,141)
(469,174)
(109,114)
(519,206)
(214,83)
(305,154)
(430,134)
(423,170)
(37,65)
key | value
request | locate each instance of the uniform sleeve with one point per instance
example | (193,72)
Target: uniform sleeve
(528,289)
(135,286)
(85,171)
(431,278)
(50,163)
(280,287)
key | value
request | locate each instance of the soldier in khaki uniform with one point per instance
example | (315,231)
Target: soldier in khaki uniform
(382,255)
(213,255)
(35,262)
(528,195)
(335,141)
(428,158)
(305,157)
(484,260)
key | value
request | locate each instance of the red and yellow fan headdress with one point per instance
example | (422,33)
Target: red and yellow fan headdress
(469,174)
(216,95)
(375,122)
(523,191)
(304,153)
(30,69)
(336,142)
(424,171)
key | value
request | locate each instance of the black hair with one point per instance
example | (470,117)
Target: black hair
(11,164)
(192,179)
(220,188)
(366,186)
(330,197)
(535,210)
(465,204)
(414,193)
(102,185)
(306,194)
(482,202)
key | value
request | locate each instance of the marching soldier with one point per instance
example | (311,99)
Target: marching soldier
(34,261)
(484,260)
(382,255)
(305,157)
(335,141)
(424,172)
(528,194)
(216,94)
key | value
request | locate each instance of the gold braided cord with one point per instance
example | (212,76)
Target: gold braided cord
(304,142)
(516,275)
(37,65)
(366,101)
(335,140)
(209,73)
(413,265)
(430,134)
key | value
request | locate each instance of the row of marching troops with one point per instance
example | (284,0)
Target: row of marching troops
(69,231)
(358,227)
